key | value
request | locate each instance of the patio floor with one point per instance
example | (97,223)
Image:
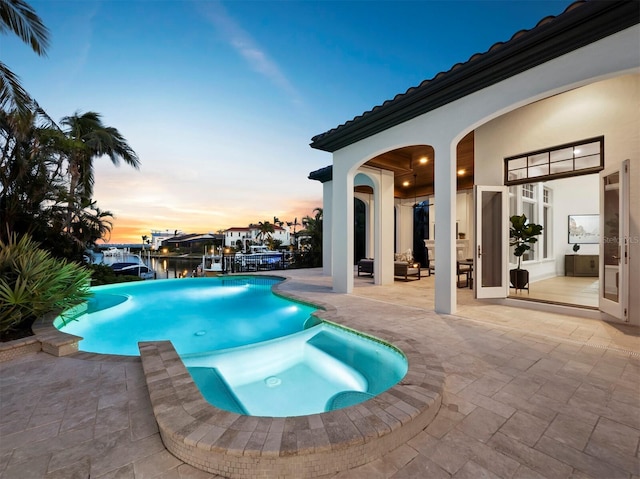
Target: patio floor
(527,395)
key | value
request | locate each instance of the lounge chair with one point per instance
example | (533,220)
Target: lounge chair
(402,268)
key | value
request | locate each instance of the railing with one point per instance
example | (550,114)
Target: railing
(254,262)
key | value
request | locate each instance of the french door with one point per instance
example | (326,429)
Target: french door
(492,238)
(614,241)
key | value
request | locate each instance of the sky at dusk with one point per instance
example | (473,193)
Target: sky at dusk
(220,100)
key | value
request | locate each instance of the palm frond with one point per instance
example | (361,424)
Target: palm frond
(12,95)
(19,17)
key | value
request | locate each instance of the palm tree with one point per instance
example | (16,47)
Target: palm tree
(295,224)
(312,239)
(30,179)
(91,224)
(265,230)
(87,139)
(20,18)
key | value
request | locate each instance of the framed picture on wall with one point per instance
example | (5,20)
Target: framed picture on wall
(584,229)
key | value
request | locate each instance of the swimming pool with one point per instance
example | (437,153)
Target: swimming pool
(249,351)
(196,314)
(320,369)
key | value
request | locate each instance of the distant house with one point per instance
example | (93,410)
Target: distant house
(194,242)
(158,236)
(246,236)
(546,124)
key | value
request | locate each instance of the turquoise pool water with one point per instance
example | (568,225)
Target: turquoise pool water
(316,370)
(248,350)
(196,314)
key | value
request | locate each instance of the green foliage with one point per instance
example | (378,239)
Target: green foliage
(311,242)
(265,230)
(522,235)
(18,17)
(274,244)
(33,283)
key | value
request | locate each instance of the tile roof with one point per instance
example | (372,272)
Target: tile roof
(581,23)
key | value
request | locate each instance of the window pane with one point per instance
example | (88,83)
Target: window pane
(528,191)
(541,170)
(518,163)
(560,161)
(587,162)
(529,210)
(562,166)
(545,232)
(517,174)
(540,159)
(564,154)
(588,149)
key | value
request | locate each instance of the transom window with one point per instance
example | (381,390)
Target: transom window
(572,159)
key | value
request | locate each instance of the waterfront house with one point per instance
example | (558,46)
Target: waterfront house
(246,236)
(546,124)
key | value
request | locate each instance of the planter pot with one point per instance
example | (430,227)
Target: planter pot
(519,279)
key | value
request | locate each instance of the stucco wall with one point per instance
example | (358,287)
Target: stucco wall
(608,108)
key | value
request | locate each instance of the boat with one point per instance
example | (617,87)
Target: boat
(133,268)
(113,252)
(260,258)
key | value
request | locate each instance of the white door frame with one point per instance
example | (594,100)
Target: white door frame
(619,273)
(486,246)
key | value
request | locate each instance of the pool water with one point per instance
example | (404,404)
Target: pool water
(248,350)
(320,369)
(196,314)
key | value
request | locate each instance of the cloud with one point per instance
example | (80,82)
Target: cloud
(245,45)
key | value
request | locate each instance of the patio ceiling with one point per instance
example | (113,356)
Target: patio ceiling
(405,163)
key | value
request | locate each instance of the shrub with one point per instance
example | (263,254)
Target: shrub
(34,283)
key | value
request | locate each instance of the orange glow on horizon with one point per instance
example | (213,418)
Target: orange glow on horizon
(129,230)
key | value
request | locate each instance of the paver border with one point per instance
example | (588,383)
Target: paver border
(239,446)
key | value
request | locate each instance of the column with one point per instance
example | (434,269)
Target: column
(445,226)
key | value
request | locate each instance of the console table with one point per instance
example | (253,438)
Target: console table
(581,265)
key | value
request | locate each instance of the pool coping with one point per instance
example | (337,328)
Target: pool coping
(240,446)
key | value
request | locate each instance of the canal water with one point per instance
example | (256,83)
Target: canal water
(164,268)
(167,268)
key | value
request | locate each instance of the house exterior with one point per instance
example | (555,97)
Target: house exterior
(193,242)
(546,124)
(158,236)
(251,235)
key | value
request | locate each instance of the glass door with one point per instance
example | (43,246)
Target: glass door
(614,242)
(492,242)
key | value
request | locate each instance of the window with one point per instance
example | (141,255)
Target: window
(580,158)
(534,200)
(547,232)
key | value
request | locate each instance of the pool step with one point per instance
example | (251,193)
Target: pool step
(216,391)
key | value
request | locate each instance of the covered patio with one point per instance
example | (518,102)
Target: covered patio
(563,86)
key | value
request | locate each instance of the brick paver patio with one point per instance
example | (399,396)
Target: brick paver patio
(528,395)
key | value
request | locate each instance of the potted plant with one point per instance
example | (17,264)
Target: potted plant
(521,235)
